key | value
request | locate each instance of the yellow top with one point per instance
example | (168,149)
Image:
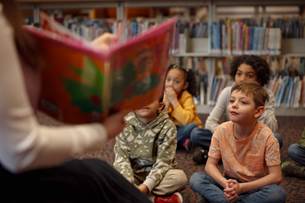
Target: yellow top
(185,113)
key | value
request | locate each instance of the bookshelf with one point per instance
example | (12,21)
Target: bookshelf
(290,47)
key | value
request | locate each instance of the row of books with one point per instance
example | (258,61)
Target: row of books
(287,65)
(246,36)
(291,28)
(238,37)
(288,91)
(193,29)
(287,82)
(90,29)
(241,36)
(216,85)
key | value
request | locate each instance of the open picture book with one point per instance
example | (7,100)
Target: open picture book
(82,84)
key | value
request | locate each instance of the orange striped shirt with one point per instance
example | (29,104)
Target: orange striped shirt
(245,159)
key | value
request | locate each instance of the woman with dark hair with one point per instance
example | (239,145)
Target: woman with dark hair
(36,162)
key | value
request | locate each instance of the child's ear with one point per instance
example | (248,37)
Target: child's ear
(259,111)
(186,85)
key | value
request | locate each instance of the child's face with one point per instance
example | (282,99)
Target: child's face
(242,108)
(149,112)
(245,73)
(176,79)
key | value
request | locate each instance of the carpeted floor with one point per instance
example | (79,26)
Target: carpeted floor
(289,127)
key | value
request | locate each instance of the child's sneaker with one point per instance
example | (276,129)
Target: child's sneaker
(291,168)
(174,198)
(200,155)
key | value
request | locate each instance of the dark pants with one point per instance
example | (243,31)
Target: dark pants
(297,153)
(88,180)
(199,137)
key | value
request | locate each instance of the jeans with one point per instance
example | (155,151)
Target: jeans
(213,192)
(201,137)
(198,136)
(297,153)
(184,132)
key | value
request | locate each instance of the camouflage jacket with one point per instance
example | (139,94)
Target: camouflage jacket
(149,148)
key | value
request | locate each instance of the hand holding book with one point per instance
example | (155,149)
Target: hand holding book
(105,41)
(83,84)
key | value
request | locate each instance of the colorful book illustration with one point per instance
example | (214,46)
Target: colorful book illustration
(81,84)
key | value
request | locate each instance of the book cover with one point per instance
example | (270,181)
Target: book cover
(81,84)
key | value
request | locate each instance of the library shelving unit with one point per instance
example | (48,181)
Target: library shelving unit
(122,6)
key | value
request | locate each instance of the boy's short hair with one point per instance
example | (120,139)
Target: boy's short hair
(260,95)
(259,65)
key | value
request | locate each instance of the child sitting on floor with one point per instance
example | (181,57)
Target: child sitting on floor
(249,152)
(178,99)
(145,153)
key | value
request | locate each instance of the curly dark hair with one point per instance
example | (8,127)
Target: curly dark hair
(189,78)
(259,65)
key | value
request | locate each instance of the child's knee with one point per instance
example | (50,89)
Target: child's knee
(180,178)
(278,194)
(195,179)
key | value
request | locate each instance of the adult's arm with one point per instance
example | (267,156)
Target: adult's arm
(24,144)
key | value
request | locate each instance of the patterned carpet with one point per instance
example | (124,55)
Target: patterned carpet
(289,127)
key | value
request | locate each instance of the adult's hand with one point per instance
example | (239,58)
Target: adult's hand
(104,41)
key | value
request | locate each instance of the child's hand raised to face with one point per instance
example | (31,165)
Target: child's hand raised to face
(171,96)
